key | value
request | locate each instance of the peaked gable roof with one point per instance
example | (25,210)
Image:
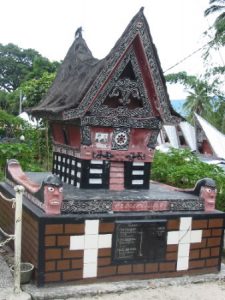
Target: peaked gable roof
(214,136)
(82,79)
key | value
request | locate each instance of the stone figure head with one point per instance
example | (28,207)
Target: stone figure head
(53,194)
(208,193)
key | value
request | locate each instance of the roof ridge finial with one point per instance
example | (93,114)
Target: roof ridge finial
(78,32)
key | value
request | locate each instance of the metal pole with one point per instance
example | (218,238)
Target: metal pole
(20,104)
(18,234)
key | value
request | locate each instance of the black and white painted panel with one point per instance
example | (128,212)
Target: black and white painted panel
(137,175)
(65,167)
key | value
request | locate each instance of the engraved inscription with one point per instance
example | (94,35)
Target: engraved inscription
(139,241)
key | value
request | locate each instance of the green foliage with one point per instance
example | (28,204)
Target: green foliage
(10,126)
(204,98)
(35,89)
(22,152)
(218,28)
(32,153)
(181,168)
(18,65)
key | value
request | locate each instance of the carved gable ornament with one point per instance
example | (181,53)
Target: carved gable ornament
(130,84)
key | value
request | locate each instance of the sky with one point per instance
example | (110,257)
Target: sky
(48,26)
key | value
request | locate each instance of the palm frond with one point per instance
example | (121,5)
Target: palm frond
(216,1)
(214,8)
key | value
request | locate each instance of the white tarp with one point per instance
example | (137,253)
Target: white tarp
(32,121)
(189,135)
(214,137)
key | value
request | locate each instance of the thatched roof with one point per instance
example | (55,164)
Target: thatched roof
(81,76)
(77,72)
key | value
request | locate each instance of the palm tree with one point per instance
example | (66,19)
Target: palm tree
(198,100)
(217,6)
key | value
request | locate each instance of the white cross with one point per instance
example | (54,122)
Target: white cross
(184,238)
(90,242)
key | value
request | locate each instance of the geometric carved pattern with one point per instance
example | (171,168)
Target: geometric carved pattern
(120,139)
(86,135)
(138,27)
(124,89)
(151,123)
(153,139)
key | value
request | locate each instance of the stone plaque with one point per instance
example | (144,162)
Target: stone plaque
(139,240)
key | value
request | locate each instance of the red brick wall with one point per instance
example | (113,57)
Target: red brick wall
(30,231)
(205,254)
(116,177)
(7,216)
(63,264)
(60,264)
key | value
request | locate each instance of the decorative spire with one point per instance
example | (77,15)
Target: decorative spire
(78,32)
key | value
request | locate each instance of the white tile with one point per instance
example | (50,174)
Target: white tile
(136,163)
(90,256)
(78,185)
(95,181)
(96,162)
(90,270)
(59,167)
(96,171)
(79,165)
(77,242)
(91,226)
(73,162)
(105,241)
(59,158)
(185,223)
(182,263)
(137,181)
(184,236)
(183,250)
(196,236)
(78,174)
(72,172)
(63,168)
(72,182)
(173,237)
(137,172)
(91,241)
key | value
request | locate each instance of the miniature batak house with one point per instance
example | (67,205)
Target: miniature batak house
(105,115)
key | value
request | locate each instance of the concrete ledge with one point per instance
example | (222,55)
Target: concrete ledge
(79,291)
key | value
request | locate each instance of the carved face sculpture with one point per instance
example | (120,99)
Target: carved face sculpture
(208,194)
(53,195)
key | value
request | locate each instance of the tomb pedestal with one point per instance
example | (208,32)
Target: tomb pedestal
(135,235)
